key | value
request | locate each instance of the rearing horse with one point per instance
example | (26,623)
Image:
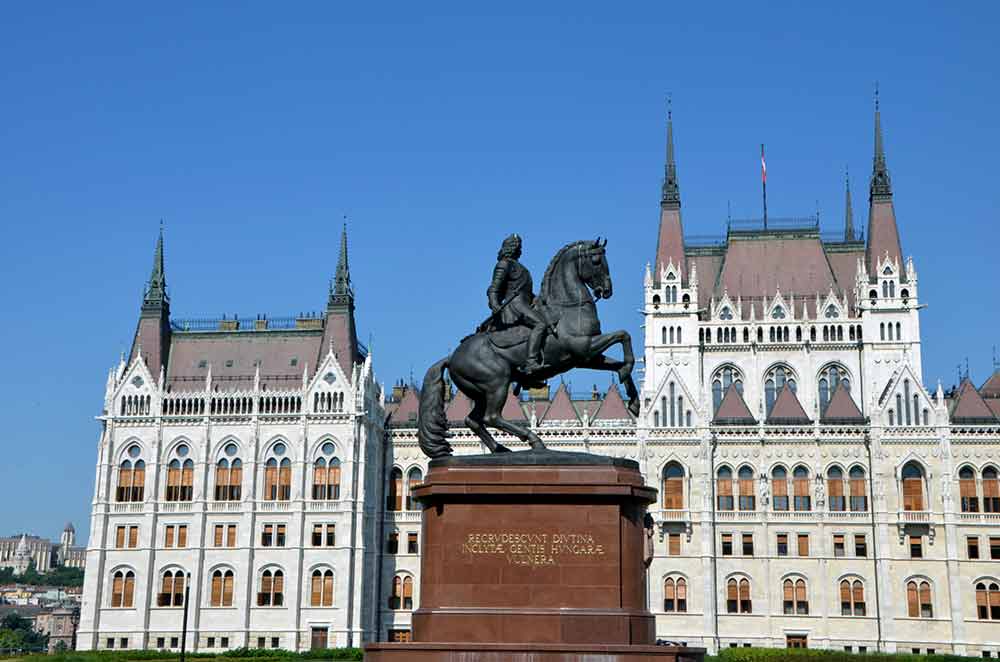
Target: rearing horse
(485,364)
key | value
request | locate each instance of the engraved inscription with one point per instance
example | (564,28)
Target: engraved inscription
(534,549)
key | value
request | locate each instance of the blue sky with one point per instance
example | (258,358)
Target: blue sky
(253,128)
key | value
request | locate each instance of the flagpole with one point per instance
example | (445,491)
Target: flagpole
(763,181)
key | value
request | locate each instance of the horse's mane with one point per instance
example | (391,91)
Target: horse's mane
(544,290)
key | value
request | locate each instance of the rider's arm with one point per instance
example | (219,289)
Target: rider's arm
(499,277)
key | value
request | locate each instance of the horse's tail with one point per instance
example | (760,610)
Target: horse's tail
(432,424)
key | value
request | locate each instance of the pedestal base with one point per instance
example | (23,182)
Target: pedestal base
(465,652)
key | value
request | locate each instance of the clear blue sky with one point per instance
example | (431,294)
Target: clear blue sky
(252,128)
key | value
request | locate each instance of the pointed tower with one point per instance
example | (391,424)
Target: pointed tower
(340,329)
(153,331)
(670,244)
(848,209)
(883,233)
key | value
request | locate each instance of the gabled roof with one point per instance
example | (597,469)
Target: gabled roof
(612,407)
(991,389)
(994,405)
(406,412)
(733,409)
(841,410)
(787,409)
(512,410)
(458,408)
(561,408)
(970,408)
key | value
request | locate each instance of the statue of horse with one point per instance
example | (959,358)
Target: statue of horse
(485,364)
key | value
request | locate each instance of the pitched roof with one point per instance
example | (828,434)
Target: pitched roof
(787,409)
(969,407)
(991,389)
(994,405)
(612,407)
(561,408)
(841,410)
(406,411)
(757,265)
(733,409)
(458,408)
(512,410)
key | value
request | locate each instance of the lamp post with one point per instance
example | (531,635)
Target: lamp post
(184,621)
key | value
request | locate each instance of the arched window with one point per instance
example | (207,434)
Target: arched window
(835,489)
(800,480)
(656,299)
(222,589)
(271,592)
(967,490)
(326,474)
(402,593)
(859,492)
(171,589)
(675,595)
(779,488)
(988,601)
(885,289)
(721,380)
(746,335)
(881,331)
(918,599)
(673,486)
(678,335)
(321,593)
(760,334)
(180,475)
(795,600)
(229,475)
(131,476)
(913,486)
(774,381)
(991,491)
(412,480)
(278,475)
(747,497)
(122,589)
(812,334)
(852,598)
(738,596)
(724,488)
(826,333)
(394,496)
(829,378)
(892,418)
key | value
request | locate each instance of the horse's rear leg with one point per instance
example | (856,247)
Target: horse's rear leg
(476,423)
(494,405)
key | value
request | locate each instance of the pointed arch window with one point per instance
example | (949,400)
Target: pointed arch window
(722,379)
(991,490)
(413,478)
(673,486)
(794,594)
(394,496)
(229,475)
(829,378)
(800,483)
(402,593)
(912,476)
(779,488)
(988,601)
(675,595)
(321,588)
(852,598)
(171,589)
(967,490)
(835,489)
(747,495)
(131,477)
(221,594)
(724,488)
(774,381)
(122,589)
(738,596)
(180,475)
(271,592)
(918,599)
(859,491)
(326,474)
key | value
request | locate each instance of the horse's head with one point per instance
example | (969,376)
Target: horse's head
(593,268)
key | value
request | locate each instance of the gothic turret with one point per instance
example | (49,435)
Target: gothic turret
(848,210)
(670,244)
(152,335)
(883,233)
(340,332)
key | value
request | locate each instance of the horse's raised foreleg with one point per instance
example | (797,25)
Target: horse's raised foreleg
(492,417)
(475,421)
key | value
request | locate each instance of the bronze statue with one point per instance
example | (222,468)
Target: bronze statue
(486,363)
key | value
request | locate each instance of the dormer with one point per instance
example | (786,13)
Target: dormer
(669,295)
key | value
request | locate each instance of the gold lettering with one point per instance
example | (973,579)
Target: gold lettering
(532,549)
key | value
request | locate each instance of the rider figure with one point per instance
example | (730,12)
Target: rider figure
(510,295)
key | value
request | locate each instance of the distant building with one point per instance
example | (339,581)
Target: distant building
(19,551)
(60,624)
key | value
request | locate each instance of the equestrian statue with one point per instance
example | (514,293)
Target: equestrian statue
(526,341)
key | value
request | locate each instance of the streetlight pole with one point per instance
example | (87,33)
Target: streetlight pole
(184,622)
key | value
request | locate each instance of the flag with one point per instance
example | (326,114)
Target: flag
(763,166)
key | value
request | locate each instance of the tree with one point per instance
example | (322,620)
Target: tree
(16,633)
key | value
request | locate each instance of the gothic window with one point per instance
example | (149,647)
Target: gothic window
(892,418)
(918,599)
(850,330)
(798,334)
(835,489)
(673,486)
(912,476)
(675,594)
(840,332)
(899,332)
(738,596)
(131,477)
(412,480)
(278,475)
(664,336)
(321,588)
(794,594)
(892,289)
(873,295)
(326,474)
(656,418)
(881,331)
(770,334)
(747,496)
(221,594)
(180,475)
(723,378)
(724,488)
(718,335)
(905,294)
(988,601)
(402,593)
(746,335)
(927,417)
(656,299)
(859,492)
(760,334)
(829,378)
(779,488)
(394,496)
(122,589)
(678,335)
(852,598)
(774,381)
(967,490)
(726,314)
(885,289)
(890,330)
(800,484)
(171,589)
(991,490)
(271,591)
(778,313)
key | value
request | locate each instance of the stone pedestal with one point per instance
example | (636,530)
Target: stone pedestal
(532,556)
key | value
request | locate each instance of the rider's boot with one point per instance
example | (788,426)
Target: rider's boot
(534,364)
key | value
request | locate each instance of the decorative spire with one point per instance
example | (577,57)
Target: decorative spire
(155,296)
(848,209)
(340,289)
(671,192)
(881,186)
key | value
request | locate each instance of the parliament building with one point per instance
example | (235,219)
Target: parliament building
(813,490)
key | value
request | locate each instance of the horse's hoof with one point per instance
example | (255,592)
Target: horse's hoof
(501,449)
(538,446)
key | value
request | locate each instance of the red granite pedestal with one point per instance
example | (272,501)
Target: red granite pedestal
(539,560)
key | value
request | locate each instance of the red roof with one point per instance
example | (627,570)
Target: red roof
(969,406)
(883,235)
(458,408)
(991,389)
(561,408)
(758,266)
(842,408)
(787,409)
(612,407)
(512,410)
(670,243)
(408,406)
(994,405)
(733,410)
